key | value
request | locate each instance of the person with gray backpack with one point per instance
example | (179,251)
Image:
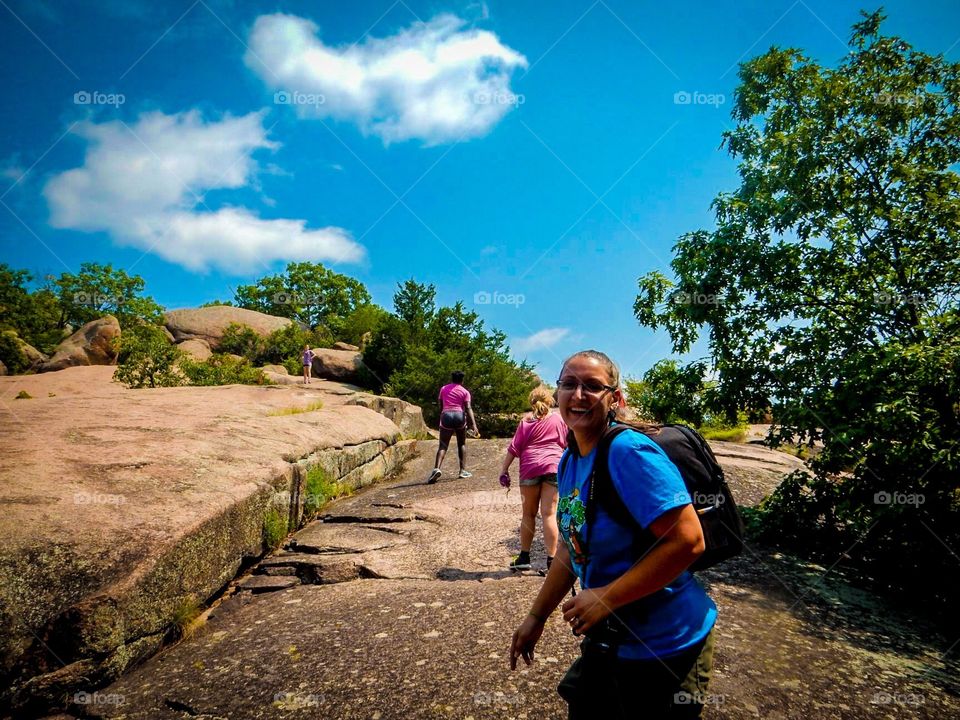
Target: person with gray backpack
(631,531)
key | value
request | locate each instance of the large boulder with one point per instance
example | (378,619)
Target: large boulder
(341,365)
(406,416)
(34,356)
(93,344)
(209,323)
(196,349)
(345,346)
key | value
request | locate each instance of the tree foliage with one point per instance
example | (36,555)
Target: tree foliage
(413,352)
(829,289)
(147,358)
(669,393)
(34,315)
(98,290)
(308,293)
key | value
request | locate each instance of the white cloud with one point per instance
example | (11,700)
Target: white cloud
(542,340)
(144,185)
(436,81)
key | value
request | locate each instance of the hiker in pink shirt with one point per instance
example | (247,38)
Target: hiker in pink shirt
(455,409)
(539,442)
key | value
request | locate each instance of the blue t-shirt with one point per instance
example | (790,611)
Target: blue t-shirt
(670,620)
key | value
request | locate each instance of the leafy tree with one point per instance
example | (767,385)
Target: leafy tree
(147,358)
(829,288)
(457,340)
(669,393)
(308,293)
(362,322)
(386,352)
(415,303)
(99,290)
(33,315)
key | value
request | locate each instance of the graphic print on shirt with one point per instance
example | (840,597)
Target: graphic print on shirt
(572,514)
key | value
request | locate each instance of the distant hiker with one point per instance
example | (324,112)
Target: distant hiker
(539,442)
(307,363)
(455,409)
(648,624)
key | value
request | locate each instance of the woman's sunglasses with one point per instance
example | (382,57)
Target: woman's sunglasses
(590,387)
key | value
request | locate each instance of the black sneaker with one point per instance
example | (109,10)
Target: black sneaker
(434,476)
(520,562)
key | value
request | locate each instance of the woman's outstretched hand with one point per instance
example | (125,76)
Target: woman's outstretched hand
(524,640)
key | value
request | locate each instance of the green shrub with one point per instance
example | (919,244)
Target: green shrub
(275,527)
(241,340)
(11,354)
(318,490)
(221,369)
(147,359)
(294,365)
(23,395)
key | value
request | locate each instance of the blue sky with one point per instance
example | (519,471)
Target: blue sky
(532,159)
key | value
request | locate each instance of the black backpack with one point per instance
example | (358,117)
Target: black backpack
(701,473)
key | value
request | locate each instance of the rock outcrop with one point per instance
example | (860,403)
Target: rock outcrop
(33,356)
(196,348)
(125,510)
(345,346)
(341,365)
(92,344)
(405,416)
(209,323)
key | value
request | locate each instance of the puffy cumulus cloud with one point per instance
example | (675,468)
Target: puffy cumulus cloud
(436,81)
(541,340)
(144,184)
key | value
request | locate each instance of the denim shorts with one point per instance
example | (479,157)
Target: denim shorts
(550,478)
(453,420)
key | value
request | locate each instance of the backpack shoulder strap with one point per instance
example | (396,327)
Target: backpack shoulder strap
(601,484)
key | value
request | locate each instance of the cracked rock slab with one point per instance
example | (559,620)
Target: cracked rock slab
(342,538)
(268,583)
(372,515)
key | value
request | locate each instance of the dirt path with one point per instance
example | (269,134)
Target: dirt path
(423,630)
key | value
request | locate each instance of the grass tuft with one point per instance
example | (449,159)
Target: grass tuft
(316,405)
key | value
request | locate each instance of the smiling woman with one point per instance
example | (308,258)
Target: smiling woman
(648,644)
